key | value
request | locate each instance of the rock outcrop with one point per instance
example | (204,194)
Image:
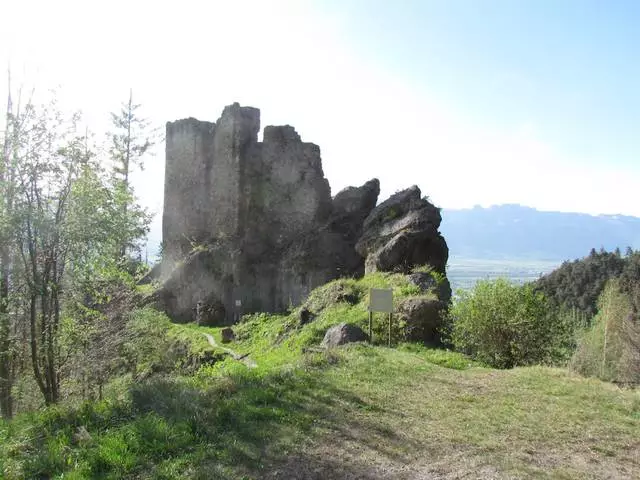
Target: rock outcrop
(402,232)
(423,317)
(251,226)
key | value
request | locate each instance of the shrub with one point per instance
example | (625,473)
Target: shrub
(610,349)
(503,325)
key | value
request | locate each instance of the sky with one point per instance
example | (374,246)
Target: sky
(478,102)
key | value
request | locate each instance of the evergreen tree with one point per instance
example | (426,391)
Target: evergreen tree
(578,284)
(131,139)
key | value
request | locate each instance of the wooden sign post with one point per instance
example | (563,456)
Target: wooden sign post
(380,300)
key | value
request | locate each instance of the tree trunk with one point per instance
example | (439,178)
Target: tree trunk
(6,343)
(33,318)
(127,160)
(6,367)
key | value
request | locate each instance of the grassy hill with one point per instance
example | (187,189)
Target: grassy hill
(193,411)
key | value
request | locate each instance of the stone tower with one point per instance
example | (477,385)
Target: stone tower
(251,226)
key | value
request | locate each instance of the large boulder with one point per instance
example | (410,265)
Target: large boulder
(402,232)
(342,334)
(423,317)
(352,206)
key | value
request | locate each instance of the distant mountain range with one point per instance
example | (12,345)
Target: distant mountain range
(517,232)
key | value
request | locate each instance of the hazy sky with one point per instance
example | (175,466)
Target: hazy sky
(477,101)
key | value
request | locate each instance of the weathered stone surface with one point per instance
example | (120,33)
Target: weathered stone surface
(254,201)
(342,334)
(202,278)
(427,283)
(251,226)
(204,168)
(305,316)
(351,207)
(402,232)
(152,275)
(227,335)
(213,313)
(423,317)
(81,436)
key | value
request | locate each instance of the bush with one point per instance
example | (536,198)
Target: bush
(610,349)
(504,325)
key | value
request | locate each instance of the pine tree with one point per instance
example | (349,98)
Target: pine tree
(131,140)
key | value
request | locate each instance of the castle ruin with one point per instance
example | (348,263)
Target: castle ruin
(251,226)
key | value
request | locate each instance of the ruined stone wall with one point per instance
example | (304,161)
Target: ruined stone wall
(204,177)
(234,143)
(259,197)
(186,194)
(264,226)
(285,191)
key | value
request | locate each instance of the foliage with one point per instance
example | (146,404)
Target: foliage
(100,285)
(48,157)
(505,325)
(610,349)
(63,226)
(578,284)
(131,140)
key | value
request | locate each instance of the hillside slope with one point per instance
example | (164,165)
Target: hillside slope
(578,284)
(355,412)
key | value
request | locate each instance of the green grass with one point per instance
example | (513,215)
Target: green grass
(359,411)
(146,289)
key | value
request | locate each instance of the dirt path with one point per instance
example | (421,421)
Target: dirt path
(241,358)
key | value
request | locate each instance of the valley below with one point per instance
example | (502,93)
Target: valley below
(464,272)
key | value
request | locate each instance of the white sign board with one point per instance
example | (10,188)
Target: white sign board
(381,300)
